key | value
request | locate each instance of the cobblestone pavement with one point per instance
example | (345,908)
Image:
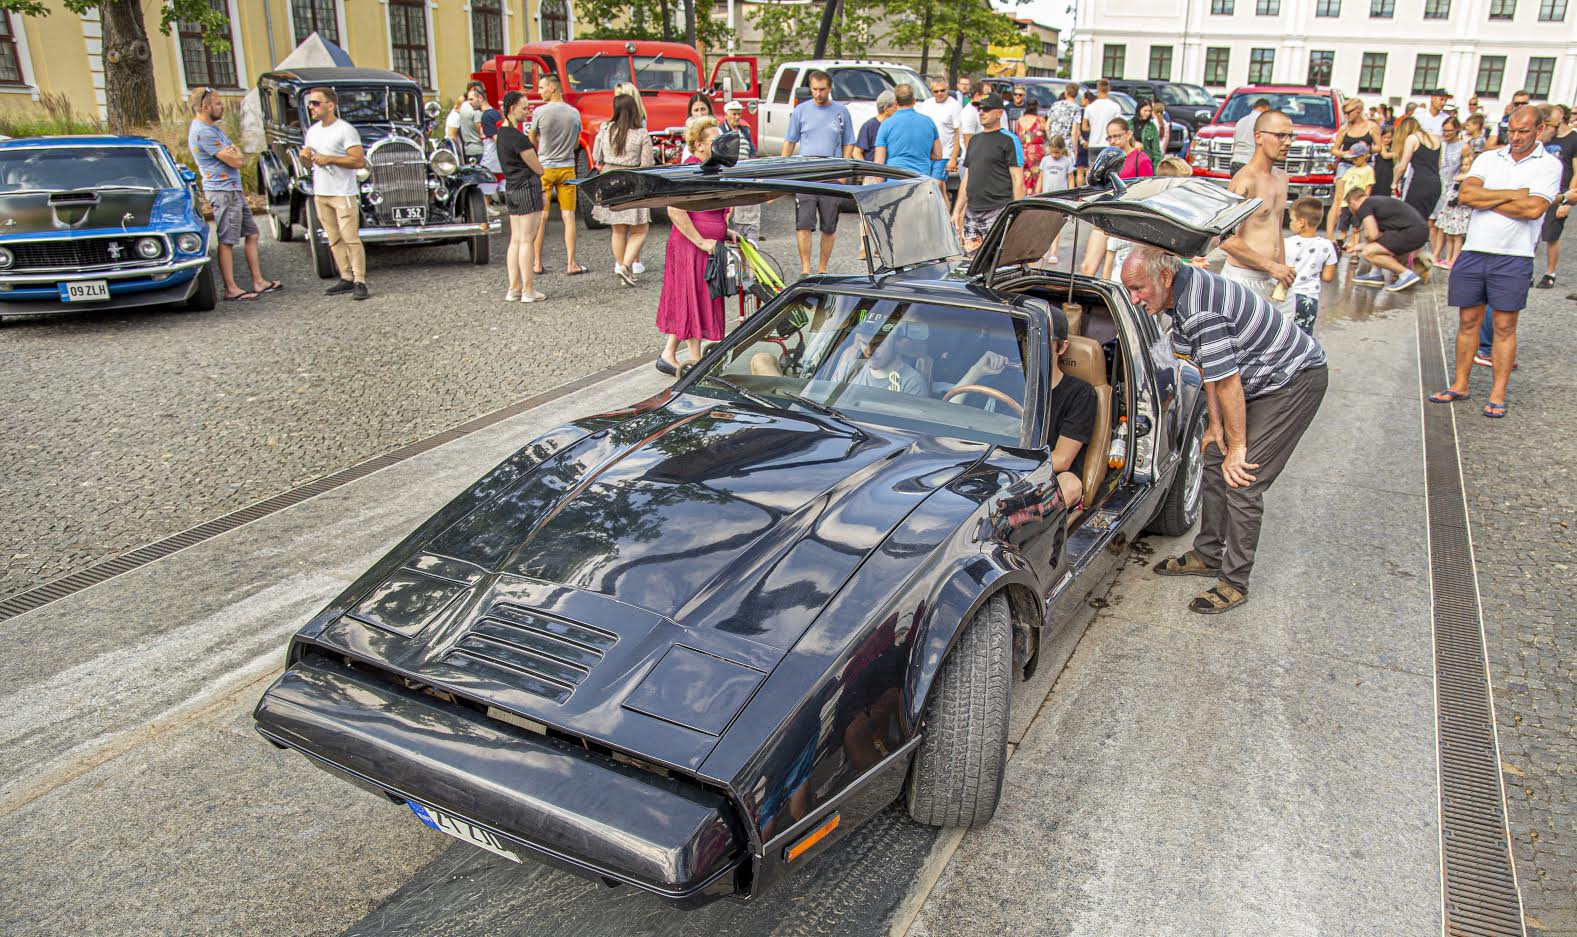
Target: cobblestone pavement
(1522,503)
(123,427)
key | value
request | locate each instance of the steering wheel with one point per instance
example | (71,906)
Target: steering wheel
(991,392)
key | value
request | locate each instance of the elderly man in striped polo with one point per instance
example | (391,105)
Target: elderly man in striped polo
(1264,380)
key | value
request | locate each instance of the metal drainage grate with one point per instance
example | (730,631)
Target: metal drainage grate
(75,582)
(1479,881)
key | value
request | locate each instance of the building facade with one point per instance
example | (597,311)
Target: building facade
(438,42)
(1386,50)
(1034,57)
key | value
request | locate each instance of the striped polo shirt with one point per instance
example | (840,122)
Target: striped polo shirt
(1227,330)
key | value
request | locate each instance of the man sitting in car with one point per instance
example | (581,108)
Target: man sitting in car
(873,359)
(1070,418)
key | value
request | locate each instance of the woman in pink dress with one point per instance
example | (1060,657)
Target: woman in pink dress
(686,310)
(1031,129)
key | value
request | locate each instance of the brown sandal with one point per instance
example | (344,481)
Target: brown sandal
(1189,564)
(1221,597)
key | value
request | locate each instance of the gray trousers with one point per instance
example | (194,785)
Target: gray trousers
(1229,518)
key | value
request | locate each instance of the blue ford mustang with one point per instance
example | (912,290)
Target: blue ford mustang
(99,222)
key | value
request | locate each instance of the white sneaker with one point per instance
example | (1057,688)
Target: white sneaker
(513,296)
(637,268)
(532,297)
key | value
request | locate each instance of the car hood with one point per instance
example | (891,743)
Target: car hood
(88,209)
(637,586)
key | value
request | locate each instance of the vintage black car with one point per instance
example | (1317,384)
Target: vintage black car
(691,644)
(411,192)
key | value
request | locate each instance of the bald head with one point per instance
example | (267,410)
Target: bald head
(1523,130)
(1147,275)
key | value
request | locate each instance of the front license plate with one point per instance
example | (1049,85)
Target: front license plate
(407,215)
(85,291)
(460,829)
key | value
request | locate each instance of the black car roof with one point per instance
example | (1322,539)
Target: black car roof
(332,75)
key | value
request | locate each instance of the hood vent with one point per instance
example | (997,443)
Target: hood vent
(540,654)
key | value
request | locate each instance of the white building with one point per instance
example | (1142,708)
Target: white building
(1390,50)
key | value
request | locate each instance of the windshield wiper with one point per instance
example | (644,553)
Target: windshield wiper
(749,395)
(810,404)
(576,70)
(654,61)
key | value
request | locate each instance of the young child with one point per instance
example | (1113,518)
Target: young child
(1313,257)
(1055,170)
(1359,176)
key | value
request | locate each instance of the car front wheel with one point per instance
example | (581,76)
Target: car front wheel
(479,249)
(956,776)
(1181,508)
(283,231)
(206,295)
(322,257)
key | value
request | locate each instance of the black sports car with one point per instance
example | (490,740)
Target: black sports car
(691,644)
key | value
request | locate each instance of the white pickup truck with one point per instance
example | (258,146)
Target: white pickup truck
(855,85)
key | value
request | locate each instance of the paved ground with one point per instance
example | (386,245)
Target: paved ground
(1522,501)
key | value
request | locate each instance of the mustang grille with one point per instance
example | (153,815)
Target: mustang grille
(78,253)
(399,173)
(545,656)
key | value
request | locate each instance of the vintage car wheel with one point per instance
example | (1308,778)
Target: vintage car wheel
(479,247)
(583,205)
(283,231)
(1181,508)
(956,776)
(322,257)
(206,295)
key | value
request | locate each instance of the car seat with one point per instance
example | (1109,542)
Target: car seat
(1085,360)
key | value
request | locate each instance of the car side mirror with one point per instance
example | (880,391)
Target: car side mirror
(188,177)
(802,94)
(725,152)
(1104,169)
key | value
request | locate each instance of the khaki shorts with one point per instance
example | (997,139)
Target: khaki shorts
(557,180)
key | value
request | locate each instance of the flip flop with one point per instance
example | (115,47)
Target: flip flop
(274,286)
(1495,411)
(1448,396)
(249,295)
(576,273)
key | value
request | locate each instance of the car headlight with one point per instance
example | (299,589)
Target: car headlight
(444,163)
(149,248)
(363,174)
(189,243)
(6,259)
(374,197)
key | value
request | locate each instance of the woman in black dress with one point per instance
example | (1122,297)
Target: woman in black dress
(1416,147)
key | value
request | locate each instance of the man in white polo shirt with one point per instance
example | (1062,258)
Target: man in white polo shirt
(1509,190)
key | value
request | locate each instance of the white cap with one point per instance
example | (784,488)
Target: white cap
(733,106)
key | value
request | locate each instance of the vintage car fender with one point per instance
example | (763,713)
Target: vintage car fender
(274,179)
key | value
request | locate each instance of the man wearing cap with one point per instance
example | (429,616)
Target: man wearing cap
(873,360)
(1433,118)
(746,219)
(993,175)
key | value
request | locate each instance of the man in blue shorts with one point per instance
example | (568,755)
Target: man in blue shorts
(819,127)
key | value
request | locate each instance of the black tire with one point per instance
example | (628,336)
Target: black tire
(956,776)
(283,231)
(1181,508)
(479,248)
(583,204)
(322,257)
(206,296)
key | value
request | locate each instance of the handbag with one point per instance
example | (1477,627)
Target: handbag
(722,270)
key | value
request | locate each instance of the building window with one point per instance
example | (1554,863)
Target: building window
(408,39)
(10,56)
(315,16)
(555,20)
(1491,73)
(1502,9)
(205,66)
(1328,8)
(1382,9)
(1221,7)
(1540,73)
(1371,77)
(487,31)
(1112,57)
(1552,11)
(1261,62)
(1267,7)
(1437,9)
(1426,73)
(1216,60)
(1321,64)
(1160,63)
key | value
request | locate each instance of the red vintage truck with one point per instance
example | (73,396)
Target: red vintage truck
(667,74)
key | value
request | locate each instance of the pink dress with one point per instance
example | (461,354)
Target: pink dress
(685,308)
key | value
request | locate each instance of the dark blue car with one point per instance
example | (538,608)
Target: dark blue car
(96,222)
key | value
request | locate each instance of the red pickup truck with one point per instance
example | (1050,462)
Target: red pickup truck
(666,73)
(1315,113)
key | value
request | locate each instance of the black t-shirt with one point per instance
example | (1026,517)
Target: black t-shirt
(1391,214)
(1563,149)
(511,143)
(491,121)
(1072,413)
(990,156)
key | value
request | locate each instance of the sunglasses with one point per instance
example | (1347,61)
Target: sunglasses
(313,104)
(1280,136)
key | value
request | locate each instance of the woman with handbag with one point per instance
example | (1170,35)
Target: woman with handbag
(686,309)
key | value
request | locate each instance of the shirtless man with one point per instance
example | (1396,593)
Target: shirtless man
(1256,254)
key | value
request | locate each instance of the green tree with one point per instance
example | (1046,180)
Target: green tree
(788,30)
(964,28)
(645,19)
(130,96)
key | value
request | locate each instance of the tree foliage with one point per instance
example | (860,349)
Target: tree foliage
(215,25)
(788,30)
(965,29)
(643,19)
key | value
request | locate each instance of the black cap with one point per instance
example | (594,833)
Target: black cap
(1440,93)
(991,102)
(1059,324)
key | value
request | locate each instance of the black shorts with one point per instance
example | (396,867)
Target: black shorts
(1081,159)
(809,209)
(1404,240)
(523,199)
(1553,226)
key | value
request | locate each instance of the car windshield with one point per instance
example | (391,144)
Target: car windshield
(654,73)
(70,168)
(1307,110)
(597,72)
(928,368)
(1191,95)
(378,105)
(1043,93)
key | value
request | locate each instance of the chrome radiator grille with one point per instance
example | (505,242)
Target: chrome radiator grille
(399,173)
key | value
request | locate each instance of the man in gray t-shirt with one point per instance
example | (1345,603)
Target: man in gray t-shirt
(555,131)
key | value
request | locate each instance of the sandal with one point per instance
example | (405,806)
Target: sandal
(1189,564)
(1221,597)
(273,286)
(1495,411)
(1449,396)
(245,294)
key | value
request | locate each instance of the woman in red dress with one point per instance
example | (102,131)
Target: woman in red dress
(686,310)
(1031,129)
